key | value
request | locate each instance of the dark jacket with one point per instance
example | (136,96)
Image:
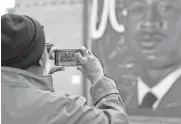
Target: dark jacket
(27,99)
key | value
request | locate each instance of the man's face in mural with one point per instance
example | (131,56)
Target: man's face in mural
(154,31)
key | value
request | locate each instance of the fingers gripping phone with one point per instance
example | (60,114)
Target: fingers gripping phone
(66,57)
(48,46)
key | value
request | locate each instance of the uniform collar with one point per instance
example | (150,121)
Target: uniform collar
(158,90)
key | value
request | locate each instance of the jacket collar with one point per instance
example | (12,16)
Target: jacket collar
(23,78)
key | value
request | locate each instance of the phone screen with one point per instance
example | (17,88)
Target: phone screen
(66,57)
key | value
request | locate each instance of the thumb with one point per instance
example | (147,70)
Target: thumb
(56,69)
(80,58)
(51,56)
(81,69)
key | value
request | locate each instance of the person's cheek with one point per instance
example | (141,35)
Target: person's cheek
(47,63)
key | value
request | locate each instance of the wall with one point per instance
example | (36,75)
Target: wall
(63,28)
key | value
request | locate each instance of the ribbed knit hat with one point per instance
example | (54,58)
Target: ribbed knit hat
(22,41)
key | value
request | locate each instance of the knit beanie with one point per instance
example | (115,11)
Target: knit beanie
(22,41)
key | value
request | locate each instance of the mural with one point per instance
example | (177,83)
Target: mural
(107,30)
(109,34)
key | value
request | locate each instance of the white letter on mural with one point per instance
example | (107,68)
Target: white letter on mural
(108,12)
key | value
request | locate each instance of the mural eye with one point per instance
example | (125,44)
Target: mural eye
(167,9)
(136,8)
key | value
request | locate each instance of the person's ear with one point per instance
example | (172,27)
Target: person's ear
(44,59)
(40,62)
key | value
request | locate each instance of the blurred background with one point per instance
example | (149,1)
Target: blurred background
(69,24)
(63,23)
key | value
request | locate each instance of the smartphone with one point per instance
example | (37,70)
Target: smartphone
(66,57)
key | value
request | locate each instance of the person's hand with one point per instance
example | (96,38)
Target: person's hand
(91,66)
(55,69)
(52,68)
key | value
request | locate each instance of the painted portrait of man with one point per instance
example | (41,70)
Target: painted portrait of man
(153,35)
